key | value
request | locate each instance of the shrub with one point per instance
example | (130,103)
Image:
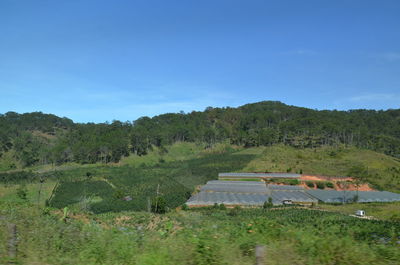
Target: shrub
(206,253)
(247,249)
(291,182)
(222,206)
(235,211)
(329,185)
(320,185)
(310,184)
(185,207)
(22,192)
(159,205)
(268,204)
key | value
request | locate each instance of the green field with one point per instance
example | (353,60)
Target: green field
(176,172)
(101,228)
(203,236)
(174,180)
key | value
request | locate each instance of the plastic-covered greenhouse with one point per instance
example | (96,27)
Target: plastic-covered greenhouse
(257,175)
(334,196)
(235,186)
(284,187)
(249,193)
(255,193)
(228,198)
(279,196)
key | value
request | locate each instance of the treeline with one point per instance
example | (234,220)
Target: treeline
(38,138)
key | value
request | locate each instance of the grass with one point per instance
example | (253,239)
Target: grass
(8,193)
(329,161)
(174,180)
(122,233)
(382,211)
(8,161)
(204,236)
(177,152)
(187,165)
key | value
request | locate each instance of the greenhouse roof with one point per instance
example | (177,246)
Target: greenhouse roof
(278,196)
(235,186)
(333,196)
(258,175)
(284,187)
(228,198)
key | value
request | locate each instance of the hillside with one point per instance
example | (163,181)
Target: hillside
(380,170)
(33,139)
(99,226)
(179,169)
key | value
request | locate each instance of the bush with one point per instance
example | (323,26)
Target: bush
(159,205)
(329,185)
(268,204)
(320,185)
(185,207)
(291,182)
(235,211)
(247,249)
(22,192)
(310,184)
(222,206)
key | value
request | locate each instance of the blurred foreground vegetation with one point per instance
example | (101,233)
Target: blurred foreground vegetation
(202,236)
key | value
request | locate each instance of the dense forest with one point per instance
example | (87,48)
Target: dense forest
(37,138)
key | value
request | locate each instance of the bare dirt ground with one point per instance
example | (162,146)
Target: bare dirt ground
(337,182)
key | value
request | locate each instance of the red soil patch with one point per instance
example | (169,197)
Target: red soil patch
(324,178)
(337,182)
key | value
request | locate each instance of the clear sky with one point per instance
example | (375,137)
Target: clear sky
(93,60)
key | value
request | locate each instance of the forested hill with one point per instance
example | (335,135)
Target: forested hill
(37,138)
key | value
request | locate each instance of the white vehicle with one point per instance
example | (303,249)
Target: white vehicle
(360,213)
(287,202)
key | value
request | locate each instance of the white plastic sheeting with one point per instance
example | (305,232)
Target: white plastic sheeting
(258,175)
(235,186)
(334,196)
(227,198)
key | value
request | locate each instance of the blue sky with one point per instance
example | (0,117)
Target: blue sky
(93,60)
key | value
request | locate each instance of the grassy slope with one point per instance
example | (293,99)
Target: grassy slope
(177,173)
(8,193)
(204,236)
(187,165)
(382,211)
(327,161)
(8,161)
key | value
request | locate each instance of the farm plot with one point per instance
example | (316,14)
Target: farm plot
(174,181)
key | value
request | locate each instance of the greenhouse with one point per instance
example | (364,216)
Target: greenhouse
(235,186)
(300,197)
(284,187)
(248,193)
(334,196)
(257,175)
(227,198)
